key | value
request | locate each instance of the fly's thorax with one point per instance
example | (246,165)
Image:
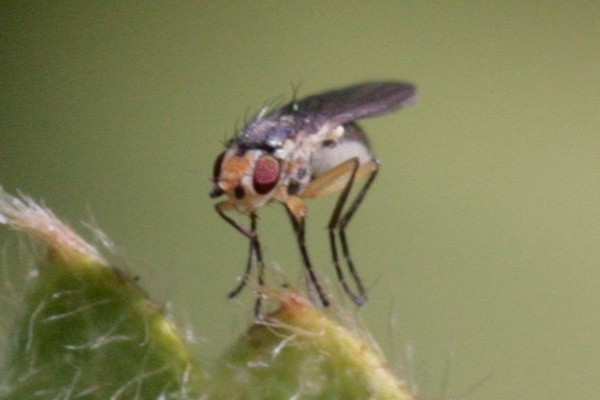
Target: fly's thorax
(297,176)
(269,130)
(295,155)
(248,178)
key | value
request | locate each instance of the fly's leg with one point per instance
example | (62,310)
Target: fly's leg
(342,178)
(299,229)
(255,253)
(341,227)
(334,224)
(244,278)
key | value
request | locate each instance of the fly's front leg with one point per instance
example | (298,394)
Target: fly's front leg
(298,224)
(255,253)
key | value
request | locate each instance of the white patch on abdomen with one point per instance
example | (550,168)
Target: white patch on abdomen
(327,158)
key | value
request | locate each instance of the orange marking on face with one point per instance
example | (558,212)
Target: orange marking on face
(233,170)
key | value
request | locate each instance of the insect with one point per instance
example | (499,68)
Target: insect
(305,149)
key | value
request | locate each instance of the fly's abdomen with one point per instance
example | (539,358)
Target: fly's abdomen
(332,153)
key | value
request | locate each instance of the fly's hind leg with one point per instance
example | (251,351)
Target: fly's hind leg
(254,254)
(342,223)
(343,177)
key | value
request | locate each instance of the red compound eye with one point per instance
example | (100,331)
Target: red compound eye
(266,174)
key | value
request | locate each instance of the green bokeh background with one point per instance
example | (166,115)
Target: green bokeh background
(479,242)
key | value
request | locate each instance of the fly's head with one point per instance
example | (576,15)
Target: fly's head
(249,178)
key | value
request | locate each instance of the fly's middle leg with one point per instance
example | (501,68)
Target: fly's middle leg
(299,229)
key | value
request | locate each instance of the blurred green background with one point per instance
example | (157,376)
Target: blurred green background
(479,242)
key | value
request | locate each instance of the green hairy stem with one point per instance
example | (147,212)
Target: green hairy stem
(86,330)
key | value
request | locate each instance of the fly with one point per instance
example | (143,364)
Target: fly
(306,149)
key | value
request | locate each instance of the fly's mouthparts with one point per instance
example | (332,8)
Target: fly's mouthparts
(216,192)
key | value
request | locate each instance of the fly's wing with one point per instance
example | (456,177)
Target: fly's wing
(348,104)
(323,112)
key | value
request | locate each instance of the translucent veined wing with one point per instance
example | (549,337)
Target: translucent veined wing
(326,110)
(351,103)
